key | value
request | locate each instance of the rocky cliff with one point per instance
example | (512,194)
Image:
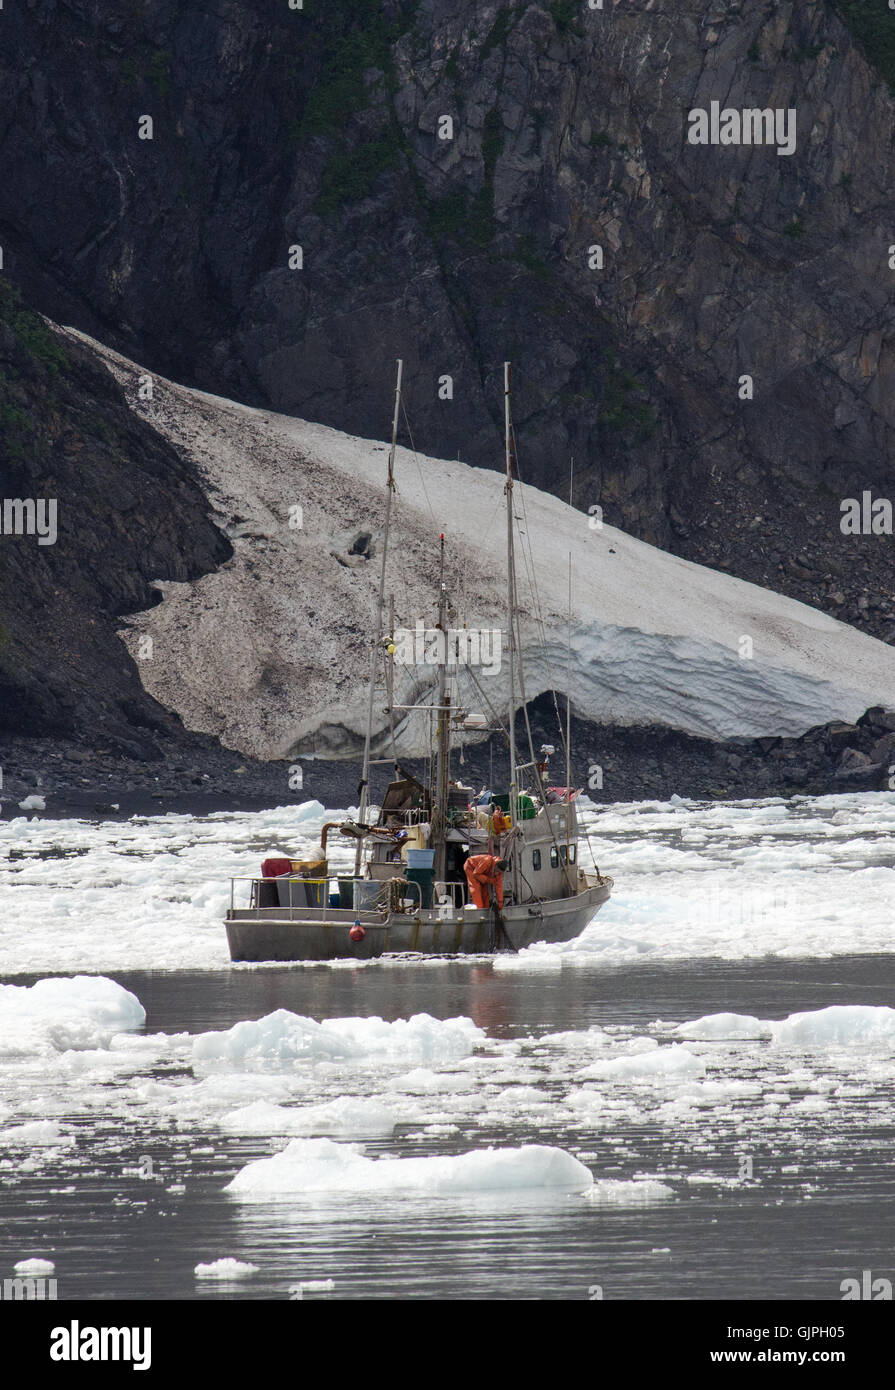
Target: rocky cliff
(329,188)
(126,512)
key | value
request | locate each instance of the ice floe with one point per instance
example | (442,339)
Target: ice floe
(646,1068)
(283,1038)
(806,878)
(225,1268)
(840,1024)
(723,1027)
(348,1115)
(319,1165)
(63,1014)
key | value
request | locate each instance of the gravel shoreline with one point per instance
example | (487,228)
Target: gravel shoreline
(194,775)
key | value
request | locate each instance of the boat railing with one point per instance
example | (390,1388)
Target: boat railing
(410,891)
(293,882)
(452,889)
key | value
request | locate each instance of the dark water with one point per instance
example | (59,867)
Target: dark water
(507,1004)
(780,1238)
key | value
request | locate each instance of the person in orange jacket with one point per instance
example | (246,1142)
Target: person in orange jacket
(484,871)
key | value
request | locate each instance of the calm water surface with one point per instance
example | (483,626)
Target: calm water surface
(818,1208)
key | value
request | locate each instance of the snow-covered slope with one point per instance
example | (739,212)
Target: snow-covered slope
(271,652)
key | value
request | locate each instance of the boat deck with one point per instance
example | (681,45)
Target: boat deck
(306,934)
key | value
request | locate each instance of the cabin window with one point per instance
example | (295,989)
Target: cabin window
(536,860)
(554,857)
(573,850)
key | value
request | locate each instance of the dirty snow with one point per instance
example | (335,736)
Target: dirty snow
(264,652)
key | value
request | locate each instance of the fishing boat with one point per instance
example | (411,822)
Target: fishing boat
(411,890)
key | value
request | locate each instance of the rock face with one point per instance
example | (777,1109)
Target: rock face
(296,221)
(320,129)
(127,513)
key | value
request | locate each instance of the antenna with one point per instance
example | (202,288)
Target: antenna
(511,616)
(363,799)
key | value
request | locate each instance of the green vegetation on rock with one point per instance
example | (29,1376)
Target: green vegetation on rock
(873,25)
(497,34)
(350,174)
(624,405)
(30,329)
(355,43)
(565,14)
(355,37)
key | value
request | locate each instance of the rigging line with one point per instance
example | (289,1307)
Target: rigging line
(563,861)
(538,607)
(458,571)
(514,619)
(540,781)
(532,572)
(543,638)
(488,529)
(416,459)
(583,830)
(460,578)
(495,716)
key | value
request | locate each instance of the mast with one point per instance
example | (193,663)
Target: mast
(511,617)
(377,644)
(569,676)
(390,679)
(569,716)
(443,751)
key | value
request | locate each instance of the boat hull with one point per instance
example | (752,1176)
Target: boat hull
(272,935)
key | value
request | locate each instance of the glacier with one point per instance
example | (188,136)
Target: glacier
(270,652)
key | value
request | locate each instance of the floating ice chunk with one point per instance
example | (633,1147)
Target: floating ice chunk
(319,1165)
(214,1095)
(724,1027)
(840,1023)
(590,1037)
(585,1098)
(261,1117)
(635,1046)
(663,1065)
(34,1267)
(39,1133)
(34,1162)
(226,1268)
(424,1082)
(614,1192)
(710,1094)
(82,1012)
(812,1105)
(283,1038)
(311,1286)
(348,1116)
